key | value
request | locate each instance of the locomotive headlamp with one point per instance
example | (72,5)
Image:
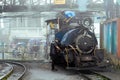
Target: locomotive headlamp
(107,61)
(87,22)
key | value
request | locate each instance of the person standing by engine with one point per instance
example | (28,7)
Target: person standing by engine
(54,48)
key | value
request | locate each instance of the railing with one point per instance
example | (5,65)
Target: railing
(23,53)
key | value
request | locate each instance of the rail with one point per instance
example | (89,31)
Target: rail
(12,71)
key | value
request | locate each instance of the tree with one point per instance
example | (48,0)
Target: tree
(95,5)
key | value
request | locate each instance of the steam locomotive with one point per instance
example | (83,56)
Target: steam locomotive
(75,44)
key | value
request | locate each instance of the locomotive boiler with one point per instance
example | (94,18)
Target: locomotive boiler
(75,45)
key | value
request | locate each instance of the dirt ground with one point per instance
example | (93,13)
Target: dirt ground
(42,71)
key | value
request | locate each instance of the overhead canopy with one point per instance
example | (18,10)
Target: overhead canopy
(51,20)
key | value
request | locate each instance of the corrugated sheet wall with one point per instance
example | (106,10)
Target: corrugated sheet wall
(110,37)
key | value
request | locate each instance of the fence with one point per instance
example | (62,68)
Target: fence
(40,52)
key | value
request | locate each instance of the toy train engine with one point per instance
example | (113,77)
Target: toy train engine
(75,47)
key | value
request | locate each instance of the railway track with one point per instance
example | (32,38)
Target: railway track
(15,71)
(91,75)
